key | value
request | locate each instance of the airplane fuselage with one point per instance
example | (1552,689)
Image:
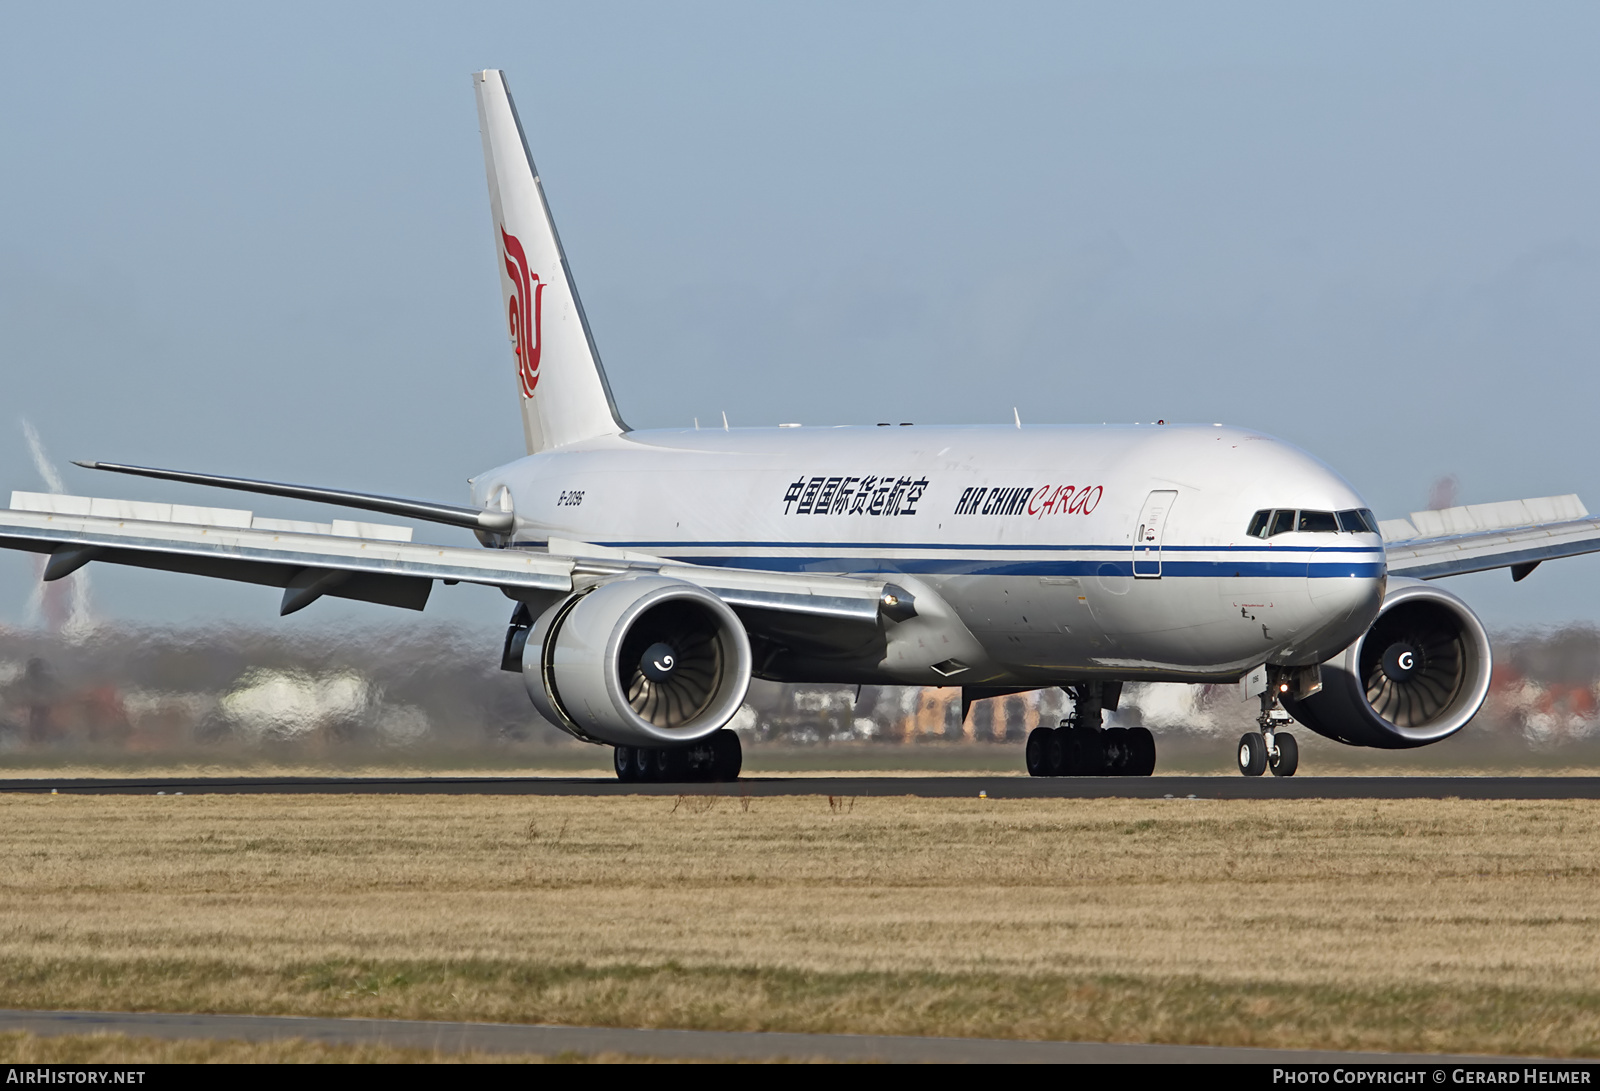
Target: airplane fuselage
(1067,552)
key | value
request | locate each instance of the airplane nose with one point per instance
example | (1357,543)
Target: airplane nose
(1346,587)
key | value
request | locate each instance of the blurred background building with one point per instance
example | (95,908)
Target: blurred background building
(148,691)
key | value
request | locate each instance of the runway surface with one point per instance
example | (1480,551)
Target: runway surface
(995,787)
(705,1045)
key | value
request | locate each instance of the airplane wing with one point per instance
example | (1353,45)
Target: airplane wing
(1514,534)
(377,563)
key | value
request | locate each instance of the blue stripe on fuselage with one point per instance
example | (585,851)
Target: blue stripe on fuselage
(989,547)
(1088,567)
(1113,560)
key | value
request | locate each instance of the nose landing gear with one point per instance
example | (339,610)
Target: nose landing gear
(1081,747)
(1271,747)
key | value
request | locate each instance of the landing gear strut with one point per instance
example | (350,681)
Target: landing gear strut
(1082,747)
(716,757)
(1271,747)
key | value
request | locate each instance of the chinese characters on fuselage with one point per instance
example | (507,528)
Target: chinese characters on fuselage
(865,495)
(1028,500)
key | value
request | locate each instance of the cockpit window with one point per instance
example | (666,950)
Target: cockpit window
(1270,522)
(1358,521)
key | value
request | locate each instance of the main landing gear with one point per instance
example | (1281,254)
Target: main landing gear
(1270,748)
(716,757)
(1081,747)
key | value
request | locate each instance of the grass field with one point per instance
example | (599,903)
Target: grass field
(1411,925)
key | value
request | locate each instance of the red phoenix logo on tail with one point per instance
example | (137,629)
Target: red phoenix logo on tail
(524,316)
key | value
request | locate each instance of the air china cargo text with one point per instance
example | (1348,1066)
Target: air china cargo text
(1028,500)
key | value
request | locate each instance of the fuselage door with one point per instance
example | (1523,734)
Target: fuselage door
(1147,536)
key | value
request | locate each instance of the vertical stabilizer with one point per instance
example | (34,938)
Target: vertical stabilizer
(562,387)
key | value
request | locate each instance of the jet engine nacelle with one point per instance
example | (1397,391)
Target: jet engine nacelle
(1417,676)
(646,661)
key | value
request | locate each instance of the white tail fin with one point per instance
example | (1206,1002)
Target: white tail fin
(565,396)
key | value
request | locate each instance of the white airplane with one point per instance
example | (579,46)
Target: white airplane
(654,572)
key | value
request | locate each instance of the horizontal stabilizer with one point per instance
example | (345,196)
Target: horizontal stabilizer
(497,522)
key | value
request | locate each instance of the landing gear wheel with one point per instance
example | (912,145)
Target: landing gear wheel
(698,762)
(1118,760)
(1087,753)
(1036,753)
(1058,754)
(668,764)
(1142,745)
(644,764)
(727,755)
(1252,754)
(622,762)
(1288,755)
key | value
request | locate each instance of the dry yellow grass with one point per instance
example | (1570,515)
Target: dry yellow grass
(1462,926)
(121,1049)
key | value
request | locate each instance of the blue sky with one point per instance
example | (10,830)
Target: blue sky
(256,240)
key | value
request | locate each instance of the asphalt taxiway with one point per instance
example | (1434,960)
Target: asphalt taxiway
(992,787)
(705,1045)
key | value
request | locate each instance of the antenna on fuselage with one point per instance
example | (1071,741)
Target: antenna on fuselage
(1016,416)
